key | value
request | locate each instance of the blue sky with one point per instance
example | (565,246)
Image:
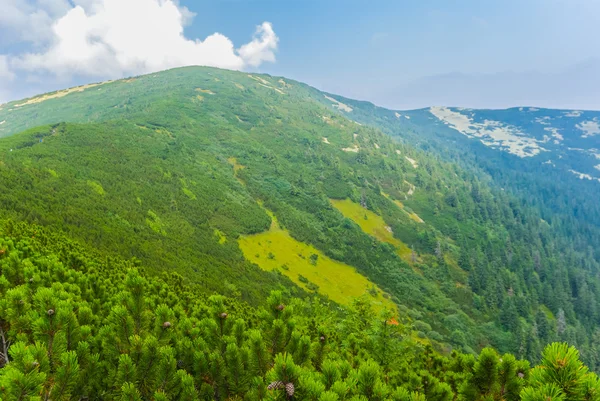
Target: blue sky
(400,54)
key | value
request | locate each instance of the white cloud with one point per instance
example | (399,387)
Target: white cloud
(112,38)
(6,73)
(6,76)
(262,46)
(30,21)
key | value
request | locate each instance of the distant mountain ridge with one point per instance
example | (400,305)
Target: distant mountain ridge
(568,140)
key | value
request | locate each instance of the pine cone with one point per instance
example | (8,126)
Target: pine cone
(166,325)
(223,315)
(281,307)
(276,385)
(289,389)
(50,312)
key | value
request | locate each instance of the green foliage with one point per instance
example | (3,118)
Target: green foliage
(79,325)
(146,169)
(562,376)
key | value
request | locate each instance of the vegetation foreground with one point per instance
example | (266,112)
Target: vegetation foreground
(75,325)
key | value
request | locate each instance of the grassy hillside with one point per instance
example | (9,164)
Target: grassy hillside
(309,268)
(372,224)
(177,170)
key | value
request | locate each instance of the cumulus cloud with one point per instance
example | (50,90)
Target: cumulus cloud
(262,46)
(30,21)
(112,38)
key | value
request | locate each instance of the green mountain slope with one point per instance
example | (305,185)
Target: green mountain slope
(546,158)
(183,170)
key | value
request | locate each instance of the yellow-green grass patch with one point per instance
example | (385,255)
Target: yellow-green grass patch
(96,186)
(277,250)
(413,215)
(236,166)
(372,224)
(164,131)
(221,236)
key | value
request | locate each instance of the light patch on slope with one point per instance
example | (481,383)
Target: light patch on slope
(398,115)
(354,149)
(271,87)
(339,105)
(265,83)
(573,113)
(376,146)
(583,176)
(259,79)
(55,95)
(555,134)
(597,166)
(491,133)
(412,161)
(416,218)
(542,120)
(407,117)
(590,128)
(325,140)
(284,84)
(411,189)
(207,91)
(327,120)
(534,109)
(398,152)
(2,122)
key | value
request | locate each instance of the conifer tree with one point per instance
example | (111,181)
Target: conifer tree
(563,376)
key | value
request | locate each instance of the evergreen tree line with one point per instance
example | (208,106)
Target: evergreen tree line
(77,325)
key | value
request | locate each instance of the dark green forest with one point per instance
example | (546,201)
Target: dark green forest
(121,275)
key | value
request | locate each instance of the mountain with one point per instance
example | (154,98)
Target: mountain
(246,183)
(547,159)
(563,139)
